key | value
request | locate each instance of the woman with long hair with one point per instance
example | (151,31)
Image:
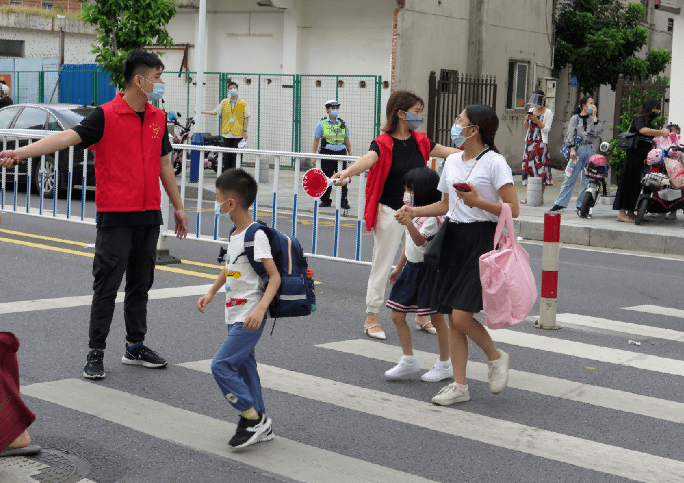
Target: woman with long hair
(473,216)
(629,185)
(536,161)
(398,150)
(582,135)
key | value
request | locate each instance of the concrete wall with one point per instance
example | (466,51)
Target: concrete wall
(677,82)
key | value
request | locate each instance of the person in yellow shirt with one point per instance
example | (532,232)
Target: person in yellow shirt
(234,120)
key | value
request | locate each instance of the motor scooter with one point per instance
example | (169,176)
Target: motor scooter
(176,139)
(656,193)
(596,170)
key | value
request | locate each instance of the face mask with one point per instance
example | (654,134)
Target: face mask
(334,112)
(233,92)
(654,115)
(408,198)
(157,91)
(414,120)
(590,108)
(217,210)
(456,135)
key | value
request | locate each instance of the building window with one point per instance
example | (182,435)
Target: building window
(12,48)
(670,24)
(517,85)
(48,4)
(16,2)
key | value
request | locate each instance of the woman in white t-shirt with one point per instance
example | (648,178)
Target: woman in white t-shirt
(472,222)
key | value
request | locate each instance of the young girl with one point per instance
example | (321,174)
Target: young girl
(472,223)
(413,280)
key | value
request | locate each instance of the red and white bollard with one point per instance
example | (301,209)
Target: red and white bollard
(549,283)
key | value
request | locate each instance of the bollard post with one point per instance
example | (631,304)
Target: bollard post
(549,284)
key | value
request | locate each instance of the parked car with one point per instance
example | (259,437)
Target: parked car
(43,119)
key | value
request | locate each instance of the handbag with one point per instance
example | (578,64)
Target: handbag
(508,287)
(628,140)
(432,257)
(565,149)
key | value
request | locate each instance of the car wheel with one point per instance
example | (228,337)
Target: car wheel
(48,176)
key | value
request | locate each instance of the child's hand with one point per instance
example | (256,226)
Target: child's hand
(203,301)
(394,275)
(254,320)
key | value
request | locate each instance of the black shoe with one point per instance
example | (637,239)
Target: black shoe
(557,208)
(325,203)
(141,355)
(250,431)
(345,205)
(94,369)
(579,213)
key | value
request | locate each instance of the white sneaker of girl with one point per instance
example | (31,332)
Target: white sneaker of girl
(440,371)
(408,366)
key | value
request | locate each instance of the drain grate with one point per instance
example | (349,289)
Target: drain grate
(62,467)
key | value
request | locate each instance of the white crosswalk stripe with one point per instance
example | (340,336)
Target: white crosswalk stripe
(626,328)
(657,310)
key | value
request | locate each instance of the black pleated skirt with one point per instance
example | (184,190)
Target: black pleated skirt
(457,285)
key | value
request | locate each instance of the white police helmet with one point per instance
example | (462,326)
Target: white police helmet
(332,102)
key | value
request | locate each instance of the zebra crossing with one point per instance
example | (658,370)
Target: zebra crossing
(293,459)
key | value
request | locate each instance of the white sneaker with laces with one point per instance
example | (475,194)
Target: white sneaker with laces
(439,372)
(405,368)
(451,394)
(498,373)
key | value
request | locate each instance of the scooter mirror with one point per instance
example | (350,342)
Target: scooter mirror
(178,114)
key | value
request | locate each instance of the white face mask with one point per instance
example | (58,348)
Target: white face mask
(217,210)
(408,198)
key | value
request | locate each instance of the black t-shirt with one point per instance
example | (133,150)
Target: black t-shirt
(638,124)
(90,131)
(6,101)
(405,157)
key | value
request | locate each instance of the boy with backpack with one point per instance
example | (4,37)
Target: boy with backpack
(248,297)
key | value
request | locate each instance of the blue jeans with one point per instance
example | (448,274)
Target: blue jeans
(235,370)
(584,151)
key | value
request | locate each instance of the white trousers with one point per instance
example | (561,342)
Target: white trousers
(387,238)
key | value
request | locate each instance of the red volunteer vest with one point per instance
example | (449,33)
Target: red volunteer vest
(377,175)
(128,158)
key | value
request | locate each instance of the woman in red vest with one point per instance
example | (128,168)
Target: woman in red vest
(391,155)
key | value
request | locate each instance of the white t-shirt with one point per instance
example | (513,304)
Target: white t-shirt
(428,227)
(491,173)
(244,288)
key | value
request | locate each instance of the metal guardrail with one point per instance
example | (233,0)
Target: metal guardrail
(259,158)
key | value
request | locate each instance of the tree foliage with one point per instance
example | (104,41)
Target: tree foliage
(125,25)
(600,40)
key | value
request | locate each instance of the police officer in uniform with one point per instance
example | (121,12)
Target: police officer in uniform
(333,134)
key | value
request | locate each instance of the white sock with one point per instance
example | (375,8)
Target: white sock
(411,359)
(445,364)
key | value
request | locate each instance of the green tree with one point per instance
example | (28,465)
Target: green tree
(125,25)
(600,40)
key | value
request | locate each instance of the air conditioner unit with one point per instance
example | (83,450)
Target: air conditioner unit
(284,4)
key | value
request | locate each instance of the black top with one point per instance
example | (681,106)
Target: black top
(405,157)
(6,101)
(638,124)
(90,131)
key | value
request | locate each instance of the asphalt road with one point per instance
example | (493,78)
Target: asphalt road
(582,403)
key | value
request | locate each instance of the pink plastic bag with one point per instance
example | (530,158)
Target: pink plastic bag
(665,142)
(675,171)
(508,287)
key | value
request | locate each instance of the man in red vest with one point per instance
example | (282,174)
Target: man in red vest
(131,144)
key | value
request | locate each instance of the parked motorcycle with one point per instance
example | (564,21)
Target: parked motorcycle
(656,193)
(596,170)
(176,139)
(211,161)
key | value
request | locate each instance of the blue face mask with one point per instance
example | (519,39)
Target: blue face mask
(334,112)
(414,120)
(590,108)
(456,135)
(157,91)
(233,92)
(217,210)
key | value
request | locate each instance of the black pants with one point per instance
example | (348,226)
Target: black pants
(119,249)
(229,161)
(329,167)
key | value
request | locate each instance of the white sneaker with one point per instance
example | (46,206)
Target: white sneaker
(671,216)
(498,373)
(405,368)
(451,394)
(439,372)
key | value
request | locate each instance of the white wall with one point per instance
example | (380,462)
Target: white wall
(39,43)
(677,79)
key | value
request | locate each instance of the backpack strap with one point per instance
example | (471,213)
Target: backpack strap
(249,248)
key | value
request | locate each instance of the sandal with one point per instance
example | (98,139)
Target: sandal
(523,202)
(375,335)
(429,330)
(31,449)
(625,220)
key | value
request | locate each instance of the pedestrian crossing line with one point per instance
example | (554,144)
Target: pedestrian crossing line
(281,456)
(657,310)
(86,300)
(549,386)
(554,446)
(626,327)
(588,351)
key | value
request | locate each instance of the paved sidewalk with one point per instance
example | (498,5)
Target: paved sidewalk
(654,235)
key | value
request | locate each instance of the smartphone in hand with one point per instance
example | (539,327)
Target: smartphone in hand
(462,186)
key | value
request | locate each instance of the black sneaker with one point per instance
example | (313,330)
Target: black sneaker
(345,205)
(250,431)
(579,213)
(325,203)
(141,355)
(557,208)
(94,369)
